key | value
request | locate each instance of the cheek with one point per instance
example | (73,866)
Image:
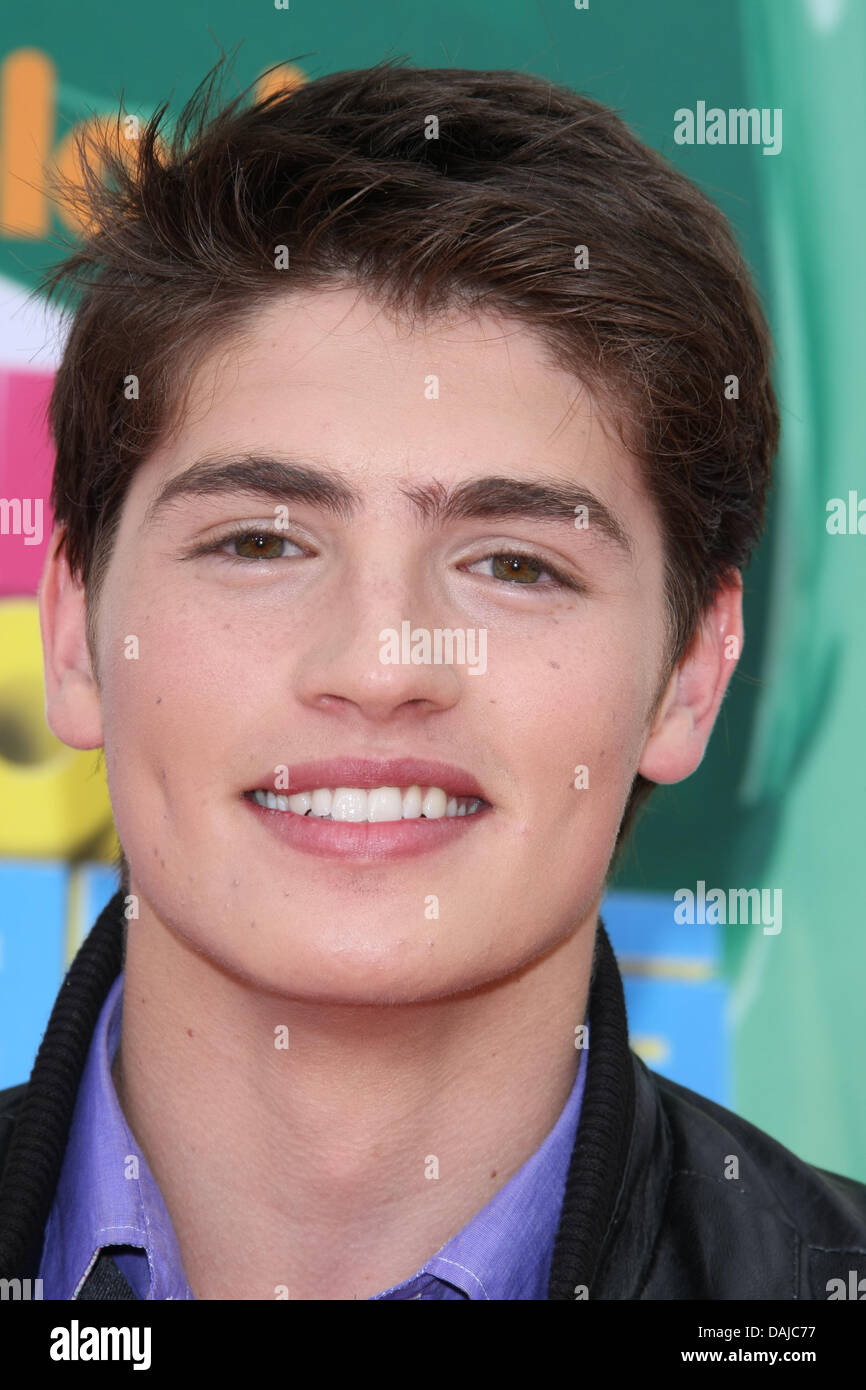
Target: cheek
(166,661)
(168,703)
(592,717)
(578,750)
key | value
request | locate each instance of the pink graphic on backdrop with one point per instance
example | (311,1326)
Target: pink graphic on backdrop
(26,462)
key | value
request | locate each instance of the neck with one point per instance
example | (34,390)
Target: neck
(318,1157)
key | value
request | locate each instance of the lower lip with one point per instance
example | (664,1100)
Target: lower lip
(370,840)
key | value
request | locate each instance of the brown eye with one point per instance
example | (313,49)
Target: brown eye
(258,545)
(509,567)
(523,567)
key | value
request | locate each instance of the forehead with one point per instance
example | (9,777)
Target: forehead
(333,345)
(331,377)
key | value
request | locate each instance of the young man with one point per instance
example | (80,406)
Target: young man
(402,358)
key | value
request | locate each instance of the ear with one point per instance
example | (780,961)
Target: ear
(72,703)
(686,713)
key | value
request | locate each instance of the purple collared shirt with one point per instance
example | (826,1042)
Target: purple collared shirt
(107,1196)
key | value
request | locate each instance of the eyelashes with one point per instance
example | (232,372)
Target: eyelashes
(560,580)
(270,537)
(244,533)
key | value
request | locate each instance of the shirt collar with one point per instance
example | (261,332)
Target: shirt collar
(505,1251)
(106,1194)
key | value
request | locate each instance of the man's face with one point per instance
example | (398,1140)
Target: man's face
(247,665)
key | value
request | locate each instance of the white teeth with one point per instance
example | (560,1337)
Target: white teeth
(349,803)
(382,803)
(435,803)
(273,802)
(377,804)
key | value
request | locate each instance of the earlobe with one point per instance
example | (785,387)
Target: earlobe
(72,701)
(687,712)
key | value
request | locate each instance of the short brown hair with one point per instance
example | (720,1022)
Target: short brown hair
(181,241)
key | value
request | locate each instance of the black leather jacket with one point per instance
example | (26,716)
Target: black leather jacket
(668,1195)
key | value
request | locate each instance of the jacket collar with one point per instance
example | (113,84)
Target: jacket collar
(44,1114)
(595,1184)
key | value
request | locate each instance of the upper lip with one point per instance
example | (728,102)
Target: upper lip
(373,772)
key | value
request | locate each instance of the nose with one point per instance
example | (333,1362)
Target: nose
(360,657)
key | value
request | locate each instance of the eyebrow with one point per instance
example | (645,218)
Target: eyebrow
(285,480)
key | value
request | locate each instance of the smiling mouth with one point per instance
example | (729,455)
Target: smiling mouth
(376,805)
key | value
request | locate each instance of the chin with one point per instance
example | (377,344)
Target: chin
(372,974)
